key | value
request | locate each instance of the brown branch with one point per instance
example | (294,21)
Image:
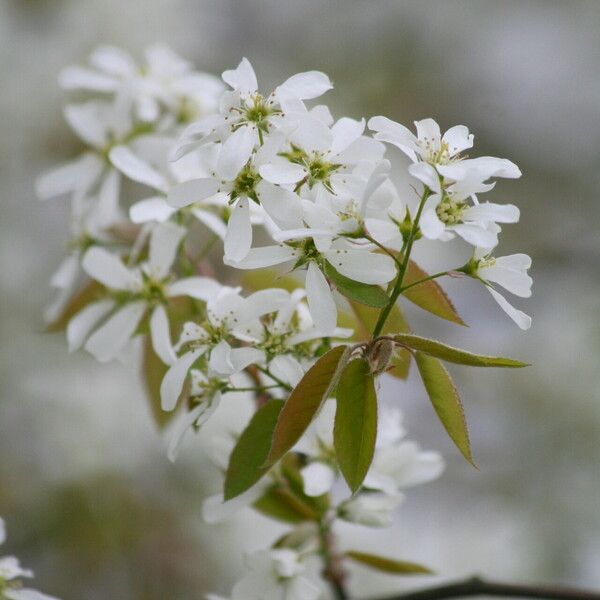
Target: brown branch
(479,587)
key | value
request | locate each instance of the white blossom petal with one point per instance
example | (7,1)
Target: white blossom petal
(109,339)
(318,478)
(267,256)
(172,383)
(238,239)
(161,335)
(80,78)
(215,509)
(192,191)
(82,324)
(137,169)
(363,266)
(282,172)
(281,205)
(164,242)
(109,270)
(236,152)
(155,208)
(519,317)
(344,132)
(242,78)
(305,86)
(320,300)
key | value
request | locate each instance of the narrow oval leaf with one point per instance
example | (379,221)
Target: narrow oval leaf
(445,400)
(304,402)
(429,295)
(371,295)
(281,504)
(247,460)
(366,318)
(455,355)
(388,565)
(355,428)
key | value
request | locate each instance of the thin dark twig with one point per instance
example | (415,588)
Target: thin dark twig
(480,587)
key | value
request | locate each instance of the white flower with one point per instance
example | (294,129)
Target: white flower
(246,116)
(352,260)
(10,574)
(323,163)
(509,272)
(165,81)
(370,509)
(229,316)
(275,575)
(134,290)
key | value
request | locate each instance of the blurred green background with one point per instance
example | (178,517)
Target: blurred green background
(90,499)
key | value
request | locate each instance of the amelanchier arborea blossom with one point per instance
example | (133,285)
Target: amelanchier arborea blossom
(233,181)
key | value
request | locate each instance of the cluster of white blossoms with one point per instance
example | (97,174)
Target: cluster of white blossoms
(11,575)
(220,164)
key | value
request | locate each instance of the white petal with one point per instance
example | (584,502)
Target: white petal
(113,60)
(287,368)
(201,288)
(488,211)
(107,341)
(235,152)
(344,132)
(26,594)
(164,241)
(109,270)
(428,129)
(305,86)
(242,357)
(458,139)
(81,325)
(318,478)
(137,169)
(266,256)
(85,120)
(107,211)
(310,134)
(394,133)
(80,78)
(195,190)
(150,209)
(2,531)
(161,335)
(476,234)
(66,274)
(282,172)
(320,300)
(430,224)
(363,266)
(242,77)
(238,239)
(426,174)
(68,177)
(490,166)
(283,206)
(515,281)
(172,383)
(215,509)
(519,317)
(362,149)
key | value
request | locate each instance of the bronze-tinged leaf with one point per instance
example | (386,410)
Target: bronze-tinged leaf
(304,402)
(388,565)
(363,293)
(281,504)
(455,355)
(366,318)
(355,428)
(247,460)
(87,294)
(445,400)
(429,295)
(153,370)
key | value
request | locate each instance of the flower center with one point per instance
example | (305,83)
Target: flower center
(245,184)
(450,211)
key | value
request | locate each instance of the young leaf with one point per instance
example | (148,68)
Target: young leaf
(371,295)
(455,355)
(388,565)
(366,317)
(445,400)
(304,402)
(429,295)
(281,504)
(247,460)
(355,427)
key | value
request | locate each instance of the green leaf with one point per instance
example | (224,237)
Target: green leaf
(455,355)
(355,427)
(429,295)
(304,402)
(371,295)
(388,565)
(445,400)
(282,504)
(262,279)
(366,318)
(247,461)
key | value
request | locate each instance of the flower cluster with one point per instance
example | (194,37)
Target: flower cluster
(11,573)
(224,163)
